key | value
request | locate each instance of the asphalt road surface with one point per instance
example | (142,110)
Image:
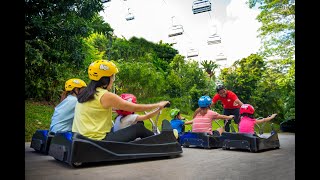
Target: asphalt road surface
(194,163)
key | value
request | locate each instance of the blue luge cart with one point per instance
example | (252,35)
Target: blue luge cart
(199,139)
(40,141)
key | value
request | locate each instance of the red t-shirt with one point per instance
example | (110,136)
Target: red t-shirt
(228,101)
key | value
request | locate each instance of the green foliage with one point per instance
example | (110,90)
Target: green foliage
(140,79)
(44,79)
(242,78)
(140,50)
(54,33)
(263,84)
(37,116)
(186,80)
(209,67)
(278,36)
(278,27)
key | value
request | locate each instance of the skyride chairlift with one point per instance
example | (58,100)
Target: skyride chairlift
(175,29)
(174,41)
(192,53)
(200,6)
(130,15)
(214,39)
(221,57)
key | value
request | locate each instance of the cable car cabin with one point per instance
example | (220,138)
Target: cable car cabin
(192,53)
(214,39)
(200,6)
(221,57)
(176,30)
(129,16)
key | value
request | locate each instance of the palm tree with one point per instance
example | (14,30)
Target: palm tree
(209,67)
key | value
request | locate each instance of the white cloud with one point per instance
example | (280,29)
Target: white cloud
(240,34)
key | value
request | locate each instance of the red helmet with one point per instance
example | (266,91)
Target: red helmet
(246,108)
(130,98)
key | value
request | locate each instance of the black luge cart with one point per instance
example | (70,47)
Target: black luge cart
(75,149)
(40,141)
(252,142)
(199,139)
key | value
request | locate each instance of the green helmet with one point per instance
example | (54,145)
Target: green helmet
(174,112)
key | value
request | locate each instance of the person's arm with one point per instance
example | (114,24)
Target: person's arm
(220,116)
(112,100)
(188,122)
(212,105)
(238,102)
(148,115)
(214,100)
(266,119)
(234,98)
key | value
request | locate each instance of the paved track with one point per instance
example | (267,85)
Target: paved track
(194,163)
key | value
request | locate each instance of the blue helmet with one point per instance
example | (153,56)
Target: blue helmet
(204,101)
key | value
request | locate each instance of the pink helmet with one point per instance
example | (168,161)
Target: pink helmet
(246,108)
(130,98)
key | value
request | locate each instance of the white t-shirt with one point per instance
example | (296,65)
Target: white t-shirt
(123,122)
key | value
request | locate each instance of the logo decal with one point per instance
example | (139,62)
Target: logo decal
(103,67)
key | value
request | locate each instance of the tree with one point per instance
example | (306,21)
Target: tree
(278,36)
(278,27)
(243,77)
(209,67)
(54,32)
(186,82)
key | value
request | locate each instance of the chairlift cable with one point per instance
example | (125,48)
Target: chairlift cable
(209,15)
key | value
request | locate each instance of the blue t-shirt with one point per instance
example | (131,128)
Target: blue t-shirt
(177,124)
(63,114)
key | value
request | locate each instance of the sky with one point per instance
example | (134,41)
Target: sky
(232,20)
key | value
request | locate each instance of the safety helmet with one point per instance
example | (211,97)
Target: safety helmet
(101,68)
(74,83)
(130,98)
(219,87)
(204,101)
(246,108)
(174,112)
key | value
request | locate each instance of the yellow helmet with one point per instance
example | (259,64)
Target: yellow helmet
(74,83)
(101,68)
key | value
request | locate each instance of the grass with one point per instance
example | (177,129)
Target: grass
(38,116)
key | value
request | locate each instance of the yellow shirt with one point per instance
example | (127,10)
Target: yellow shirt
(91,119)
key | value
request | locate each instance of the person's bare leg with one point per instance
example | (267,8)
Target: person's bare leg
(221,130)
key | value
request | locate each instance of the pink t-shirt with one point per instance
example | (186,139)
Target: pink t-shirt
(246,125)
(204,123)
